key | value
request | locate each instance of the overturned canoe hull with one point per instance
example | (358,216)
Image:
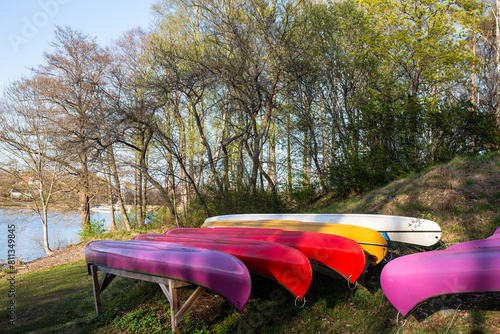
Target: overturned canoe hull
(286,265)
(409,230)
(411,280)
(493,241)
(486,243)
(495,235)
(219,272)
(342,255)
(372,242)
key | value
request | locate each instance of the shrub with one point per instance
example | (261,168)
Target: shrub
(94,229)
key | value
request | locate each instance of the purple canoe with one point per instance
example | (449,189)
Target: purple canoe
(496,235)
(217,271)
(409,281)
(493,241)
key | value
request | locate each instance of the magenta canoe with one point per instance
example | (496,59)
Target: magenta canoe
(343,255)
(493,241)
(485,243)
(409,281)
(496,234)
(219,272)
(286,265)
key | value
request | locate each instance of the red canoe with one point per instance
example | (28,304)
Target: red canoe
(286,265)
(343,255)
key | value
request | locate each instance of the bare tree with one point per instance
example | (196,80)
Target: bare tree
(72,76)
(247,51)
(25,137)
(497,44)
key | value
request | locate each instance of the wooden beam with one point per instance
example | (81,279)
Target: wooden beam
(105,280)
(96,288)
(189,303)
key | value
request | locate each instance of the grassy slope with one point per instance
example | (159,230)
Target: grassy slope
(462,196)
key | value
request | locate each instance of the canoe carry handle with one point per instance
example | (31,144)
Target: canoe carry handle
(303,300)
(349,283)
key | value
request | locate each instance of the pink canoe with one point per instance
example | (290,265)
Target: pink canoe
(409,281)
(493,241)
(496,235)
(220,272)
(343,255)
(286,265)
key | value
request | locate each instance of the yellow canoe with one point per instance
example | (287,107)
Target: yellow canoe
(372,242)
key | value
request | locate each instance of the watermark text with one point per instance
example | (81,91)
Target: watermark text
(11,261)
(31,25)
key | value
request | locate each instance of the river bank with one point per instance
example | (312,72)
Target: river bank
(21,232)
(69,253)
(28,206)
(60,256)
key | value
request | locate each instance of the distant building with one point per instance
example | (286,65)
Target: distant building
(16,194)
(20,195)
(29,180)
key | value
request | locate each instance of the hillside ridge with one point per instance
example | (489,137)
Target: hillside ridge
(462,196)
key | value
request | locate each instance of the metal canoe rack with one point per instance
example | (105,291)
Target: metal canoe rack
(168,286)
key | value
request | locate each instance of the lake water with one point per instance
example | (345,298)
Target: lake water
(63,231)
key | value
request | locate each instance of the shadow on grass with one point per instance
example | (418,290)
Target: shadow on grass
(271,306)
(51,299)
(331,306)
(464,302)
(60,300)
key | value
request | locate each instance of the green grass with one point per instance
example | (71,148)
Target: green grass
(47,300)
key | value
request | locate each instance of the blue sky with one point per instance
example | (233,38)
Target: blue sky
(27,26)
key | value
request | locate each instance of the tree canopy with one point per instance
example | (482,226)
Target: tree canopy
(249,105)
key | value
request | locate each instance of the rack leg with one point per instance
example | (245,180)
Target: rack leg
(97,289)
(177,314)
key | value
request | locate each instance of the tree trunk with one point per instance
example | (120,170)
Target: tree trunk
(206,144)
(84,193)
(136,195)
(110,199)
(497,29)
(289,156)
(305,179)
(46,246)
(117,188)
(272,160)
(139,194)
(84,200)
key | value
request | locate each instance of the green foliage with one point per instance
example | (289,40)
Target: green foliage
(399,119)
(460,129)
(305,193)
(152,221)
(234,202)
(190,325)
(237,201)
(407,136)
(139,321)
(164,217)
(423,42)
(94,229)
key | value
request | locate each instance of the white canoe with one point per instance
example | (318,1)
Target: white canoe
(408,230)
